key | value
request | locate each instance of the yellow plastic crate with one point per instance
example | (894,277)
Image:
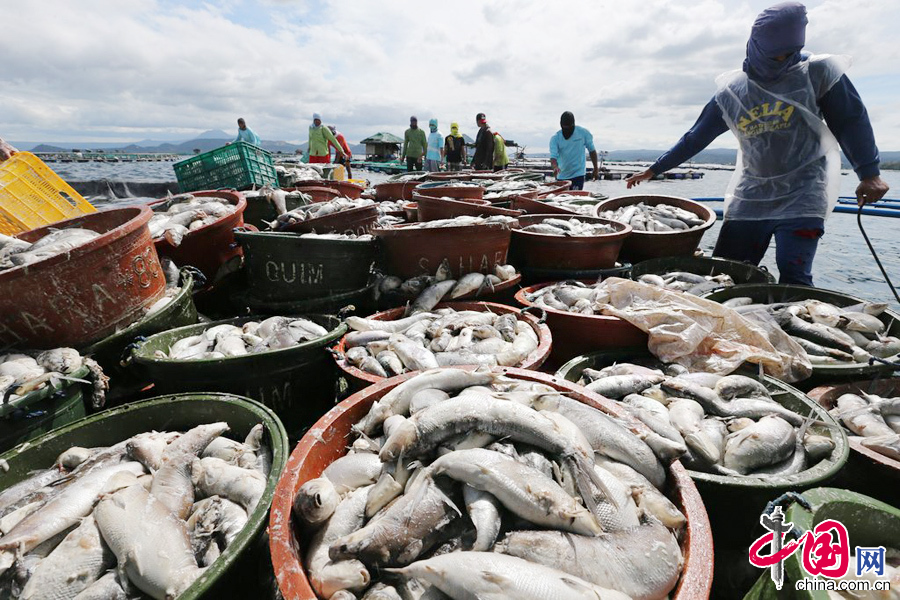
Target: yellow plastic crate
(32,195)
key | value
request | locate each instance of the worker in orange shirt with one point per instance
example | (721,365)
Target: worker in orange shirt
(345,148)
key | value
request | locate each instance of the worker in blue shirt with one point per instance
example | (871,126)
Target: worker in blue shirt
(245,134)
(567,148)
(786,180)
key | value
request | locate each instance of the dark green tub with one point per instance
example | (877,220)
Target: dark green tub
(297,382)
(233,575)
(791,293)
(741,273)
(43,410)
(734,503)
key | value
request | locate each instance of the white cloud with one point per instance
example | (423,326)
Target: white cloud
(636,74)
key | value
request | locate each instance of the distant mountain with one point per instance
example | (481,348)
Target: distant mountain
(213,134)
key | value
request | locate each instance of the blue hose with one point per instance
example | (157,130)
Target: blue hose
(891,209)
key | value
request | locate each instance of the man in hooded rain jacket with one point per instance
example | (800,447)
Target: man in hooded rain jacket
(791,112)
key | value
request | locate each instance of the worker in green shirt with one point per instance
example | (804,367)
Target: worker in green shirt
(414,146)
(319,136)
(501,160)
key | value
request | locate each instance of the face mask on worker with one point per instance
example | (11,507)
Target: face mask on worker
(779,32)
(567,124)
(432,124)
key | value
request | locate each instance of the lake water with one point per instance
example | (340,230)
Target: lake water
(843,262)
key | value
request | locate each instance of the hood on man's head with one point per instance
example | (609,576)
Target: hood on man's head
(779,30)
(317,116)
(432,123)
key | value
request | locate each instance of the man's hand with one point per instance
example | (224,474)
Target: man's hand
(7,151)
(595,175)
(871,190)
(637,178)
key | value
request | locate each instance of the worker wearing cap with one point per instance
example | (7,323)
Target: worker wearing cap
(6,150)
(245,134)
(435,153)
(319,137)
(567,148)
(345,148)
(454,149)
(414,146)
(484,145)
(786,181)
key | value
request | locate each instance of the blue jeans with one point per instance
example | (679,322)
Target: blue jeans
(795,244)
(577,183)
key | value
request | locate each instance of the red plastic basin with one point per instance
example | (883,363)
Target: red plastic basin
(533,361)
(576,334)
(410,251)
(327,441)
(433,209)
(358,221)
(211,246)
(644,245)
(529,249)
(87,294)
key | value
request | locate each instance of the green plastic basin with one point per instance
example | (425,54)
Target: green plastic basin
(734,503)
(231,575)
(741,273)
(111,351)
(791,293)
(296,382)
(43,410)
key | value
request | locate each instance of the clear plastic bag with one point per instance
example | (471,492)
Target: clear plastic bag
(703,335)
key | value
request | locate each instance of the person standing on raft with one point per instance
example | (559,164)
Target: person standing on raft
(786,180)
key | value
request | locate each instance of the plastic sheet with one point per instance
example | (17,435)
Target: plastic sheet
(703,335)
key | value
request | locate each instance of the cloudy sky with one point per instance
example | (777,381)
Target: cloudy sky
(635,73)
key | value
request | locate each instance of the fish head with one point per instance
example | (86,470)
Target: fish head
(341,576)
(316,500)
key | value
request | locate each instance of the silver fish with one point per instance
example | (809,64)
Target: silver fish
(493,576)
(644,562)
(521,489)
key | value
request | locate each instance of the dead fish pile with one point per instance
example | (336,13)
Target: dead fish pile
(475,485)
(400,177)
(366,237)
(661,217)
(874,420)
(571,296)
(429,290)
(179,215)
(22,373)
(569,228)
(465,221)
(290,174)
(504,189)
(220,341)
(831,335)
(444,338)
(681,281)
(317,210)
(140,519)
(15,252)
(568,202)
(170,294)
(730,425)
(280,199)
